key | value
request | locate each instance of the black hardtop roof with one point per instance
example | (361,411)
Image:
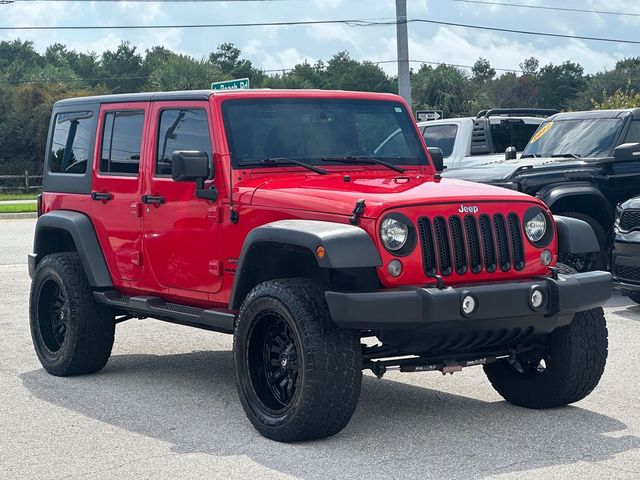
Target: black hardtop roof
(591,114)
(191,95)
(138,97)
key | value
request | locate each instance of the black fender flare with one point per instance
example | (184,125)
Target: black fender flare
(345,246)
(575,236)
(83,234)
(551,194)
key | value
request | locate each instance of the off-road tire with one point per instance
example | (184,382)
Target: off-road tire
(85,345)
(600,260)
(577,357)
(328,362)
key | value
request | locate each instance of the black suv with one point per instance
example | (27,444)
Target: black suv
(581,164)
(626,253)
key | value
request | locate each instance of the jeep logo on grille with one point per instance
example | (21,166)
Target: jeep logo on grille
(468,209)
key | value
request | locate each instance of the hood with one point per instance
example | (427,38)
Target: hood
(332,194)
(501,170)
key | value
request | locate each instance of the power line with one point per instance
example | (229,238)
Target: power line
(350,23)
(525,32)
(546,7)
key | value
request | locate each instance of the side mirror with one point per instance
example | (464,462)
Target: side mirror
(510,153)
(437,157)
(627,151)
(189,165)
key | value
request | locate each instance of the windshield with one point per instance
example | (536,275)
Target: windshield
(585,138)
(441,136)
(312,129)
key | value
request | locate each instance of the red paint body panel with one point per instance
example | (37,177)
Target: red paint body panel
(189,248)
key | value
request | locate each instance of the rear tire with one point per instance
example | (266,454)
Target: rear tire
(565,372)
(71,334)
(298,374)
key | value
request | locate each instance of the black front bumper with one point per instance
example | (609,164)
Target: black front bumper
(431,318)
(626,262)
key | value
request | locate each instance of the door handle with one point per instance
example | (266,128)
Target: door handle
(150,199)
(102,196)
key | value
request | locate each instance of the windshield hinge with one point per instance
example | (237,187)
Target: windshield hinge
(358,210)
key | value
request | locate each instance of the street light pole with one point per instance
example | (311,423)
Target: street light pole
(404,83)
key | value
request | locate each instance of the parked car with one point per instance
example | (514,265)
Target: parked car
(626,252)
(581,164)
(472,141)
(264,214)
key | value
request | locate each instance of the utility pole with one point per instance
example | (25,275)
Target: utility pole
(404,84)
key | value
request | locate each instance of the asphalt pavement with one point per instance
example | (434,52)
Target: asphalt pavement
(165,406)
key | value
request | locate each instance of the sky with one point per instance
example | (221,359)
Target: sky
(281,47)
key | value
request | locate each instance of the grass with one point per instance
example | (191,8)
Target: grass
(18,196)
(19,208)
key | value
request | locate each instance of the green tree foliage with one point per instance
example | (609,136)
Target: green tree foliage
(30,82)
(483,71)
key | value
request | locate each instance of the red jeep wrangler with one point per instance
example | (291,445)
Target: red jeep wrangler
(313,226)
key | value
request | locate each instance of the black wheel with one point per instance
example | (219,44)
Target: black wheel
(564,370)
(71,334)
(298,374)
(589,261)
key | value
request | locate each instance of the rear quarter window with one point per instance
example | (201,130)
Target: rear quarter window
(71,142)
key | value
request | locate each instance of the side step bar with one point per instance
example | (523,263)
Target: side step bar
(155,307)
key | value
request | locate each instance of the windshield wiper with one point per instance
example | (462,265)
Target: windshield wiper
(282,161)
(363,159)
(565,155)
(531,155)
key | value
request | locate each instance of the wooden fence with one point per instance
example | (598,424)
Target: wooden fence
(25,183)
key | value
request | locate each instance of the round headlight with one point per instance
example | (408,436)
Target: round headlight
(536,227)
(393,233)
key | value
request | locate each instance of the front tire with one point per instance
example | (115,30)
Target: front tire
(71,334)
(298,374)
(566,372)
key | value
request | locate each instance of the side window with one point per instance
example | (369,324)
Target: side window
(121,142)
(71,140)
(633,135)
(512,133)
(186,129)
(441,136)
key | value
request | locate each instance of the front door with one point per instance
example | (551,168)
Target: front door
(117,189)
(181,233)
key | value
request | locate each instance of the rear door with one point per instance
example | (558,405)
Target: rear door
(117,186)
(181,233)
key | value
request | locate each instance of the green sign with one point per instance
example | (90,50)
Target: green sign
(237,84)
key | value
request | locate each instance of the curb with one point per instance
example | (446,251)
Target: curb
(17,216)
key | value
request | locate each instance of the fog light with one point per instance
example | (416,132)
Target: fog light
(546,257)
(395,268)
(469,304)
(537,299)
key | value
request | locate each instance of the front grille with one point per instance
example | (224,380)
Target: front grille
(625,272)
(464,244)
(630,219)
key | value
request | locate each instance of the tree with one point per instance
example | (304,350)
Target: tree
(559,85)
(530,66)
(483,71)
(345,73)
(181,72)
(122,69)
(512,91)
(449,89)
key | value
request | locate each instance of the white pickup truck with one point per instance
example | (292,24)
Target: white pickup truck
(473,141)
